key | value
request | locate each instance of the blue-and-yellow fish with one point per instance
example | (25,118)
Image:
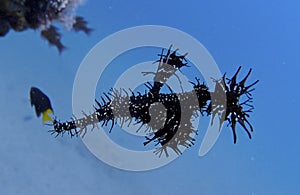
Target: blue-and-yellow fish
(42,104)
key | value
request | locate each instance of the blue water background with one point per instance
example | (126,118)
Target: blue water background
(263,35)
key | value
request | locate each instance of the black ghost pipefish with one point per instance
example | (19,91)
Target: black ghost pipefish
(21,15)
(176,129)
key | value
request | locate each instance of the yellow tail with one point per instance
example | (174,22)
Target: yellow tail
(46,115)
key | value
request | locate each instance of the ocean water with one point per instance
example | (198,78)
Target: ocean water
(262,35)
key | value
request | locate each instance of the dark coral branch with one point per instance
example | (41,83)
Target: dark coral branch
(21,15)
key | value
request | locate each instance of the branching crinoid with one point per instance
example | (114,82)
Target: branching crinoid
(166,115)
(21,15)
